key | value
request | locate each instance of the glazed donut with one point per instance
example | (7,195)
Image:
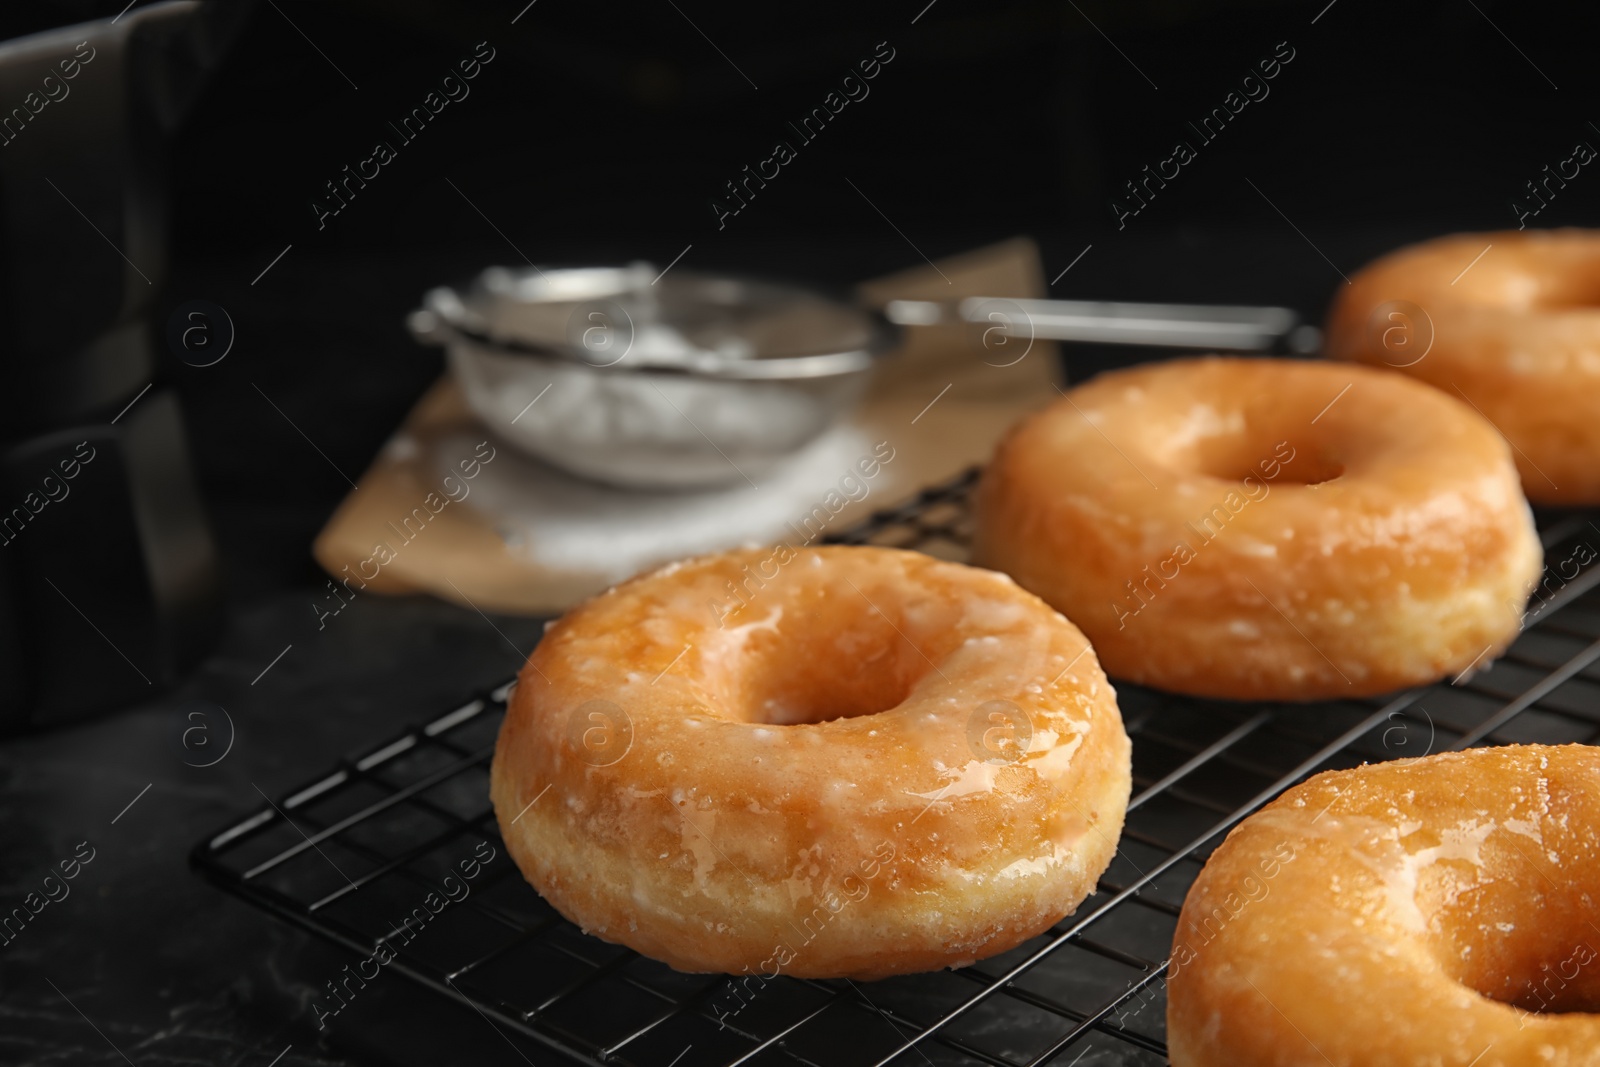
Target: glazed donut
(819,762)
(1515,332)
(1431,911)
(1265,529)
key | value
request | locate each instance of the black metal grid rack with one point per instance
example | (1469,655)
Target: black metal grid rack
(353,852)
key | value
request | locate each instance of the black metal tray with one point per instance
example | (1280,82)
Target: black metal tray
(354,852)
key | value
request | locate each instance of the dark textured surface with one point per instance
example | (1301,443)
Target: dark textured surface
(167,968)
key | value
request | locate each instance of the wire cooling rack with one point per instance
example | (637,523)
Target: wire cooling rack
(352,855)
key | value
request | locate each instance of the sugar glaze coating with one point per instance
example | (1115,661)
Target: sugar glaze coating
(879,763)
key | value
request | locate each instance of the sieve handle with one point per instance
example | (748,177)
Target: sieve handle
(1221,327)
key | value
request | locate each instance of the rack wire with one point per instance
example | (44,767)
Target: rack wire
(354,852)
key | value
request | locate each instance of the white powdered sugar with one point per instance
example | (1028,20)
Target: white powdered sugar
(561,522)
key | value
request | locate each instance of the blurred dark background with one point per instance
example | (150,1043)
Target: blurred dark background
(604,134)
(600,133)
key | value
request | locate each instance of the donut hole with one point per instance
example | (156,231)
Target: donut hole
(1540,955)
(844,661)
(1552,991)
(1314,471)
(1561,290)
(1558,979)
(1253,463)
(1535,966)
